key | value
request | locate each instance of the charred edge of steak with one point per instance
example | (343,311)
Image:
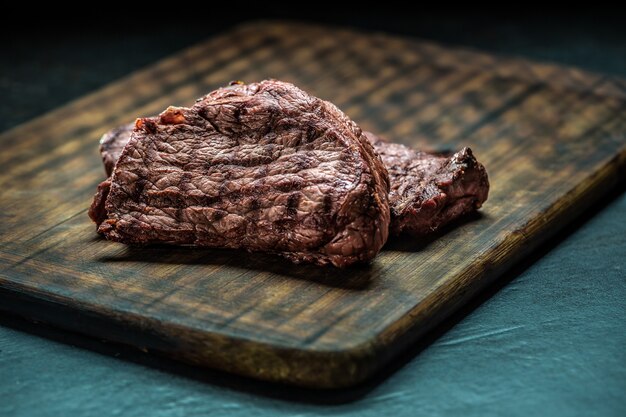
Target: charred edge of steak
(360,214)
(430,190)
(97,212)
(111,145)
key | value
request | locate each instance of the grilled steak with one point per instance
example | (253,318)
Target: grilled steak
(428,191)
(263,167)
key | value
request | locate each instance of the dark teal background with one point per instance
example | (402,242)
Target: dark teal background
(548,339)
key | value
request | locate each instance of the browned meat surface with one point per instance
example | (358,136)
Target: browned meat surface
(262,167)
(429,191)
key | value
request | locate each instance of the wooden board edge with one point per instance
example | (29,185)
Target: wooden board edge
(315,369)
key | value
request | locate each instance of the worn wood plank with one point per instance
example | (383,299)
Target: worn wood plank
(553,140)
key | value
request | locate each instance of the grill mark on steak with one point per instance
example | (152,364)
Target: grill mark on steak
(263,167)
(292,204)
(204,114)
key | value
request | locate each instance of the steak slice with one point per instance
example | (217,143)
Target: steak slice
(428,190)
(262,167)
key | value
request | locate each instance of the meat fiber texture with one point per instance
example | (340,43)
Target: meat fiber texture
(429,191)
(263,167)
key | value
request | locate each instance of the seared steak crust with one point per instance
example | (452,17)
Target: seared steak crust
(262,167)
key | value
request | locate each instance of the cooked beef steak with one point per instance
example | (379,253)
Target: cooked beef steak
(263,167)
(428,191)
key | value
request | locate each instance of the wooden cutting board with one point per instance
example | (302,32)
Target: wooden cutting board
(553,140)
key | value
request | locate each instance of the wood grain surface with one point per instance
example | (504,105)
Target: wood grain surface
(553,140)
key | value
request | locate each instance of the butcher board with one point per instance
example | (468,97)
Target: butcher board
(553,140)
